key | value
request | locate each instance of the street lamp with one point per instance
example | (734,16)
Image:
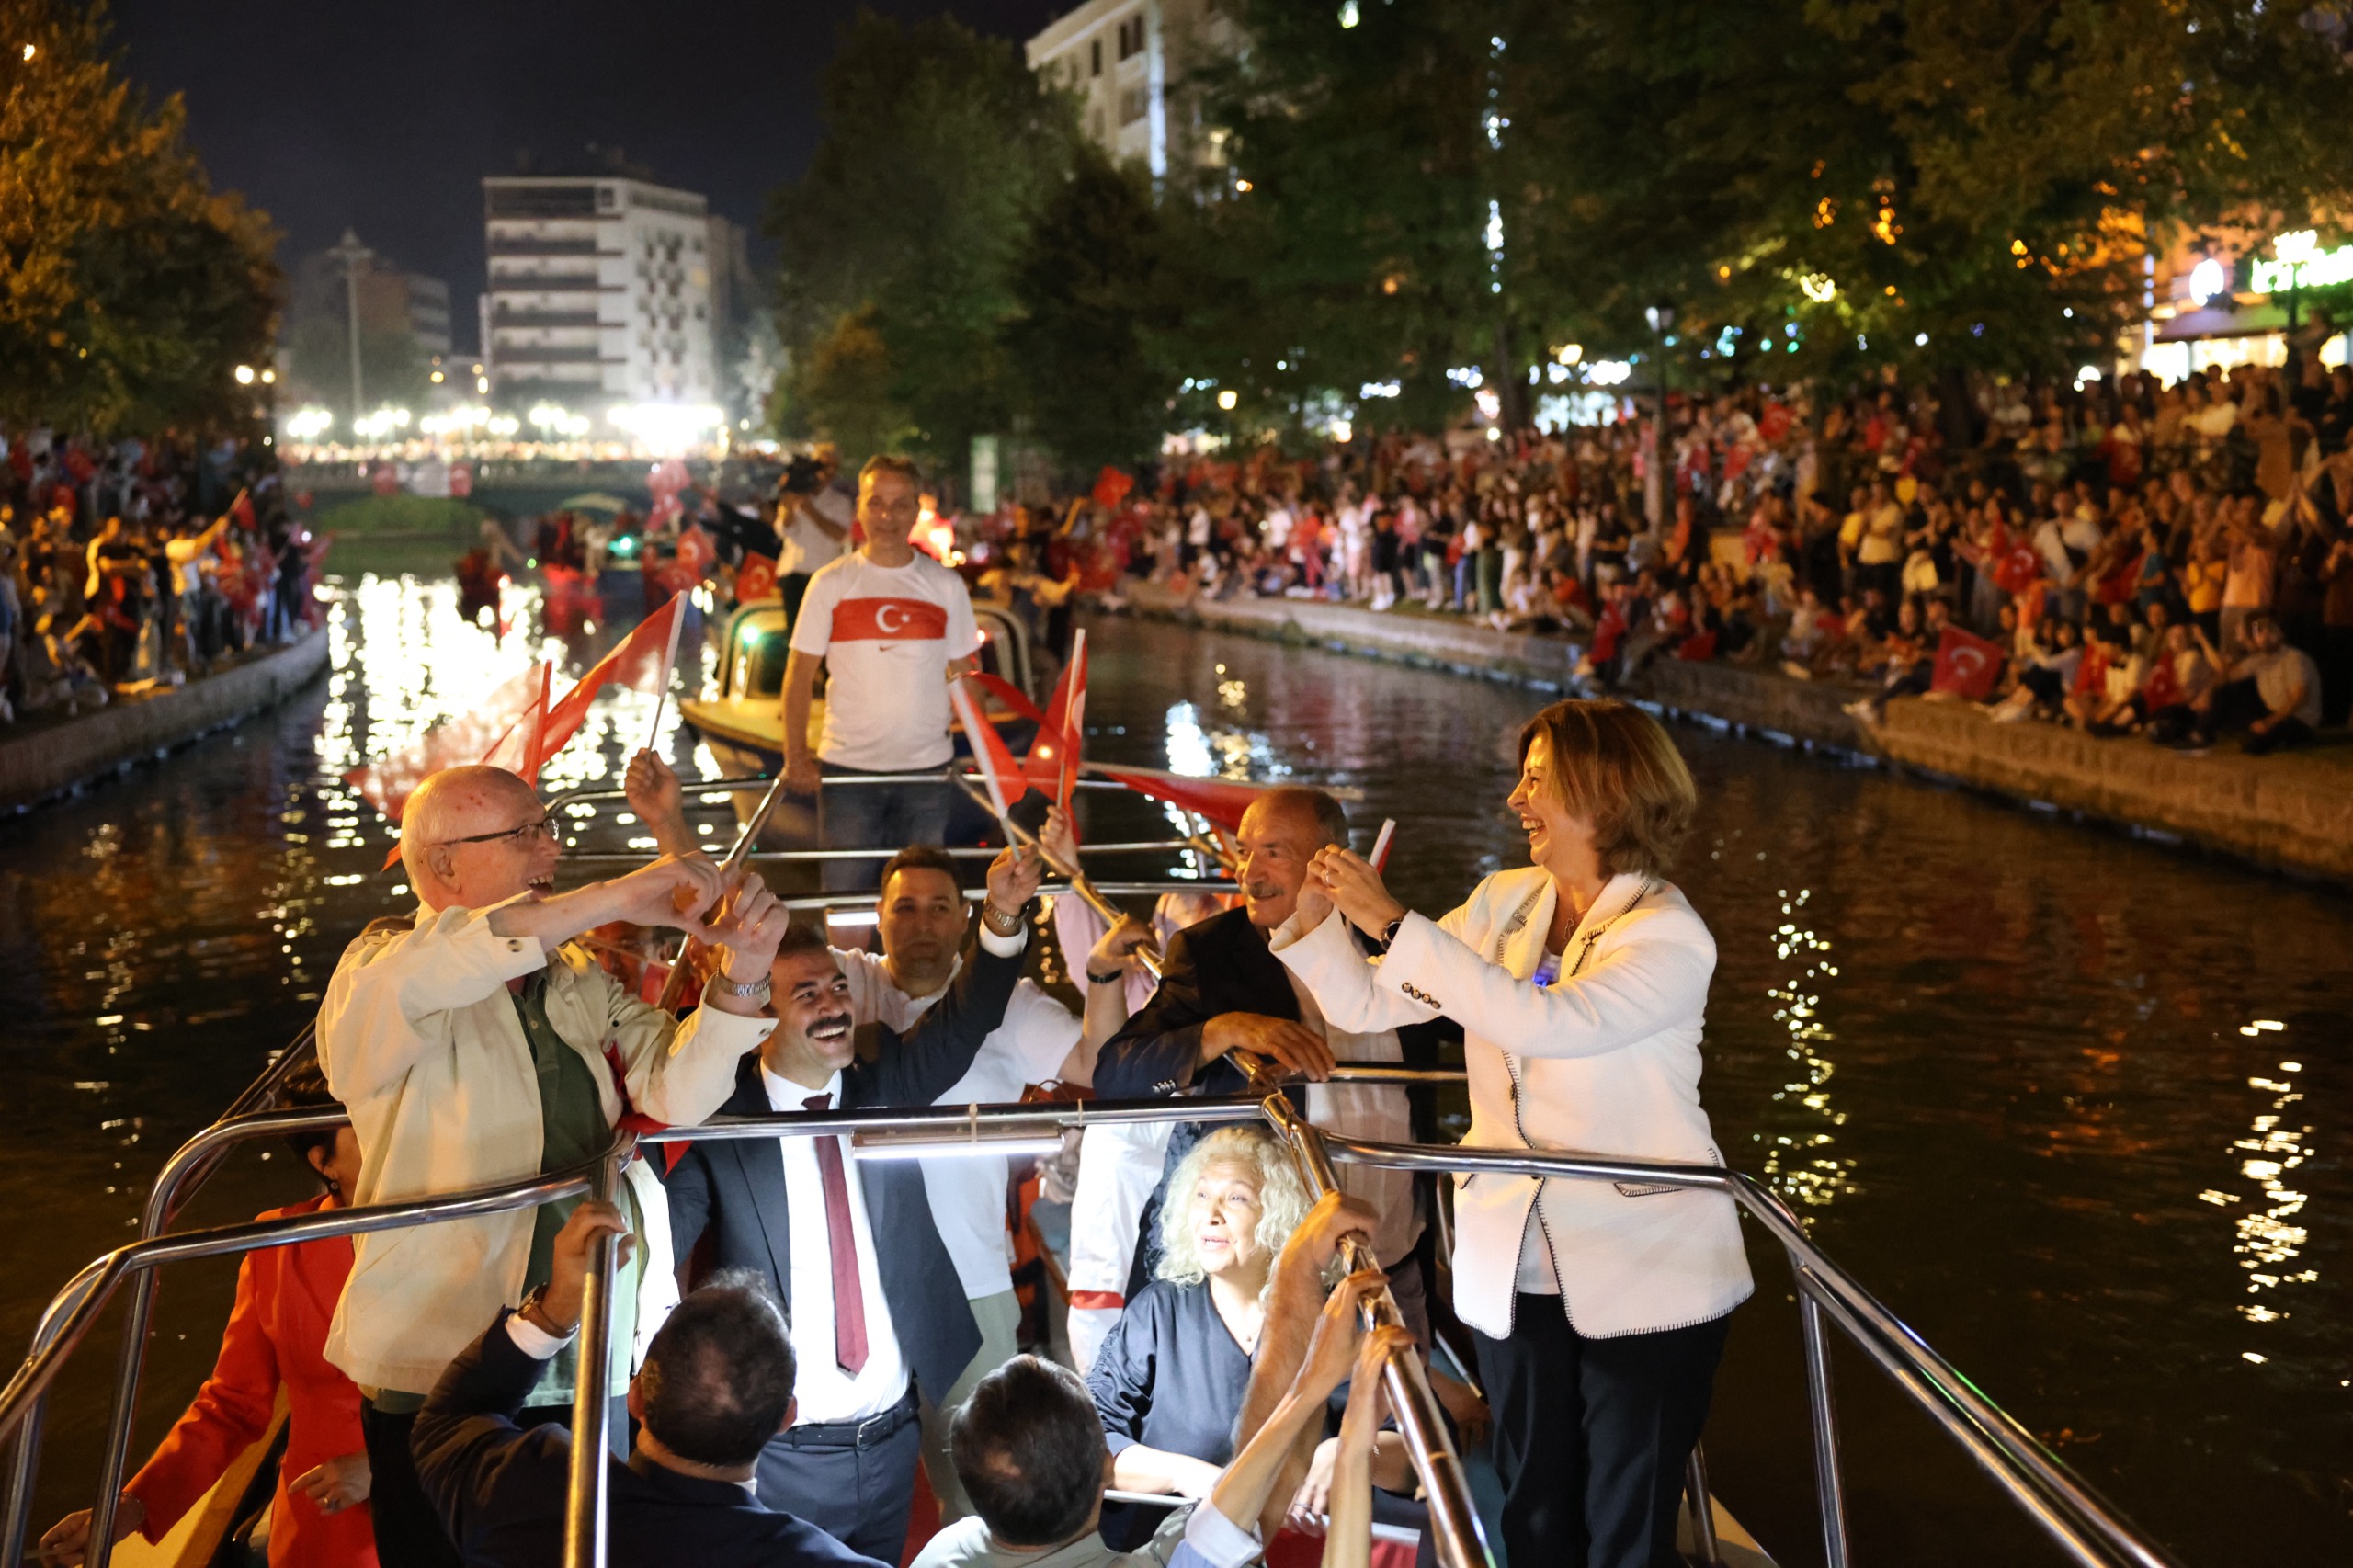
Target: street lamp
(1661,317)
(355,259)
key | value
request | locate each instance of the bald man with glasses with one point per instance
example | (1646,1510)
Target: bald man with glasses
(475,1043)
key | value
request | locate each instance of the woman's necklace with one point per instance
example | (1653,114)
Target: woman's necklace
(1243,1319)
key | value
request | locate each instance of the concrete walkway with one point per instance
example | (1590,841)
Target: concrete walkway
(2291,811)
(44,757)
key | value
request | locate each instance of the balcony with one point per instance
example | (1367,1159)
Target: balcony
(499,246)
(529,318)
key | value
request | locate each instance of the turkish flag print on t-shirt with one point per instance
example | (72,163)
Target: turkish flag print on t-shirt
(889,621)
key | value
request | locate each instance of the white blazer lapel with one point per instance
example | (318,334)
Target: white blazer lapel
(1520,945)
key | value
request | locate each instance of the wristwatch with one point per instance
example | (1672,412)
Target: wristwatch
(758,991)
(1002,926)
(534,1311)
(1389,932)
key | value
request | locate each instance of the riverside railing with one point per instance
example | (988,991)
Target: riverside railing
(2084,1525)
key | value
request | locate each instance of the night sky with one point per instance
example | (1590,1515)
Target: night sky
(327,113)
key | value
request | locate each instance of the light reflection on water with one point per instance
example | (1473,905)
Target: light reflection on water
(1996,1058)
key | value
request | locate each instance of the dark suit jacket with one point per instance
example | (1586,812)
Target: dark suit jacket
(735,1190)
(501,1490)
(1222,965)
(1219,966)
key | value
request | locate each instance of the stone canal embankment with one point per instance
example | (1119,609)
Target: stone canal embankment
(42,758)
(2291,811)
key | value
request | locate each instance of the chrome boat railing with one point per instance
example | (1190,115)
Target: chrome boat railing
(2091,1531)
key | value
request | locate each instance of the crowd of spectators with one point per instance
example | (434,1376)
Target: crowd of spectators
(2123,556)
(134,566)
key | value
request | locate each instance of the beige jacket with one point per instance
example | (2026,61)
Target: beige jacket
(1606,1061)
(421,1043)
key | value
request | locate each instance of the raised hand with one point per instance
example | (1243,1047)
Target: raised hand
(1120,947)
(659,800)
(1014,877)
(750,929)
(1058,839)
(1348,880)
(676,891)
(1333,1349)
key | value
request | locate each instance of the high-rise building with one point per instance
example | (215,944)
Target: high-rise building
(600,288)
(1130,62)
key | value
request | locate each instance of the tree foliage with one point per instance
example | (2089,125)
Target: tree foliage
(1085,351)
(899,242)
(1388,192)
(129,289)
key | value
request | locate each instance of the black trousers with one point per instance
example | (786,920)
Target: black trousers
(854,1480)
(1591,1435)
(409,1532)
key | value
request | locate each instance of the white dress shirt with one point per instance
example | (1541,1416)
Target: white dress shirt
(824,1390)
(1377,1111)
(968,1192)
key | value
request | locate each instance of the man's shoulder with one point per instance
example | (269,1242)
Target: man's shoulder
(964,1545)
(1220,931)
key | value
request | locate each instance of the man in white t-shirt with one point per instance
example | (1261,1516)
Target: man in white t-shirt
(892,627)
(811,525)
(921,921)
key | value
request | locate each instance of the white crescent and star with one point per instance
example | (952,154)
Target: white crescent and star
(883,617)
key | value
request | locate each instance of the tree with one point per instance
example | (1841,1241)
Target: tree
(1083,354)
(1347,226)
(129,290)
(939,147)
(1867,182)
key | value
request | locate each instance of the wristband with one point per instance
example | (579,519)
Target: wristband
(1111,979)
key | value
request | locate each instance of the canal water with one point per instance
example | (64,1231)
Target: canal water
(2072,1105)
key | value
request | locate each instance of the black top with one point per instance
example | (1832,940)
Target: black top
(501,1490)
(1168,1376)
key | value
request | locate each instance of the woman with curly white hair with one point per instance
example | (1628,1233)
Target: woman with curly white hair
(1168,1381)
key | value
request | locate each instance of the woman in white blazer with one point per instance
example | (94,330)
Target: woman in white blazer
(1581,984)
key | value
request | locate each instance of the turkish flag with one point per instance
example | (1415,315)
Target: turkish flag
(466,737)
(889,621)
(1967,664)
(1775,422)
(755,579)
(1052,763)
(2162,689)
(642,663)
(990,753)
(2017,564)
(1223,801)
(242,509)
(1111,487)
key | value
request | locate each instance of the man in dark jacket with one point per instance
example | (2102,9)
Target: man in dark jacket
(1221,990)
(717,1385)
(875,1302)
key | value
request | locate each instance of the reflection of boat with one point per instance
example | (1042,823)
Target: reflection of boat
(743,724)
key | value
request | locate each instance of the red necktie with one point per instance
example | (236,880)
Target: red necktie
(849,1296)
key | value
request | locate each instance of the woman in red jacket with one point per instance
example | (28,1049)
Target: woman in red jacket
(285,1298)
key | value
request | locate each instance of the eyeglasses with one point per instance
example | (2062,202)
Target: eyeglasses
(546,827)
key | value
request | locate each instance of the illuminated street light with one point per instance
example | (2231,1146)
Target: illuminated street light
(244,375)
(1228,399)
